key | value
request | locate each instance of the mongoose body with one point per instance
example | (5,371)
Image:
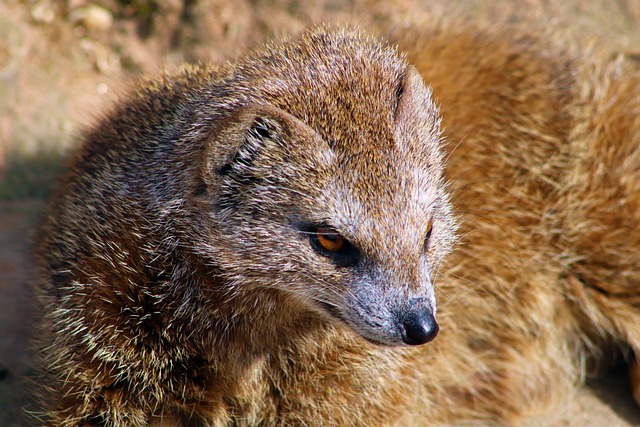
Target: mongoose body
(258,244)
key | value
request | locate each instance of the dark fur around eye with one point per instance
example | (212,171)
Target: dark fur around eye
(343,255)
(427,236)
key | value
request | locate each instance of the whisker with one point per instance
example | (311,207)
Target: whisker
(500,227)
(462,141)
(474,288)
(468,184)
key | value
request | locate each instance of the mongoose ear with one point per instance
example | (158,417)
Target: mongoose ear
(240,137)
(417,119)
(238,140)
(411,95)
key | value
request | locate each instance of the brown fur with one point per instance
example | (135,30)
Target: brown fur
(544,151)
(158,309)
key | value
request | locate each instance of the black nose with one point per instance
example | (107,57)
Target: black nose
(419,327)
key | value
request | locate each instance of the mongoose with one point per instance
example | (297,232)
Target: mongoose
(259,243)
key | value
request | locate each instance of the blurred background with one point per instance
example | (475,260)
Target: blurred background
(63,62)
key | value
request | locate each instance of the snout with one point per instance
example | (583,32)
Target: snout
(417,323)
(390,318)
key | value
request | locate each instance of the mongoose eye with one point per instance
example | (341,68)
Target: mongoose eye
(427,236)
(328,242)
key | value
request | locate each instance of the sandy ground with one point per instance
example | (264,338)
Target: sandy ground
(62,62)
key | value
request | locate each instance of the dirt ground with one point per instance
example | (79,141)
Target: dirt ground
(62,62)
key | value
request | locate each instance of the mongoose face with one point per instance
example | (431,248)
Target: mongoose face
(327,185)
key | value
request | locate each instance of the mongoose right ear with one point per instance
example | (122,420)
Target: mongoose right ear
(417,119)
(412,93)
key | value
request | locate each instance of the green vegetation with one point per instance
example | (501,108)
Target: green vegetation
(30,176)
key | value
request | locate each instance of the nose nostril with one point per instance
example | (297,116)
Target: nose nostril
(419,329)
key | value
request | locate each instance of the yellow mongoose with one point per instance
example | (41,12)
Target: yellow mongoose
(257,244)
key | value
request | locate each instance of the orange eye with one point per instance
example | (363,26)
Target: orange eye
(329,243)
(329,240)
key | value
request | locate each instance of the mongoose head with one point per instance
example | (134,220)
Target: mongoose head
(323,180)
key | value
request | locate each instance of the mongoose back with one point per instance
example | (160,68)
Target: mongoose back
(257,244)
